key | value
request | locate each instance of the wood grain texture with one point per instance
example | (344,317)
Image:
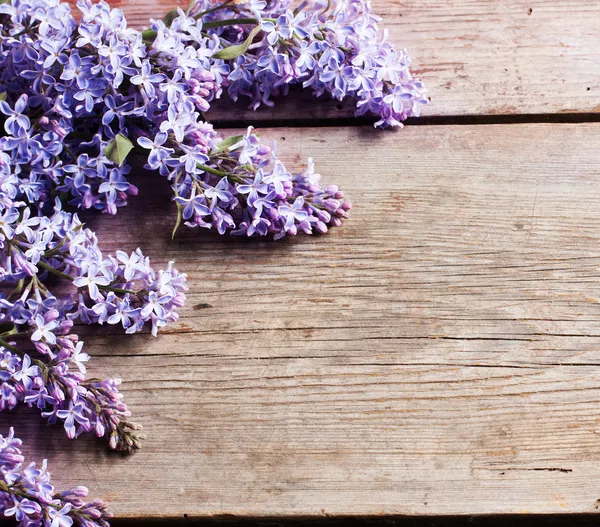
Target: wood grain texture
(477,57)
(436,355)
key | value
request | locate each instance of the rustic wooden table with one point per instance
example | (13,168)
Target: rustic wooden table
(439,354)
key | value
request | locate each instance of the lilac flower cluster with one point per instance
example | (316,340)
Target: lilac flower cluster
(339,51)
(156,90)
(156,95)
(121,289)
(238,186)
(27,494)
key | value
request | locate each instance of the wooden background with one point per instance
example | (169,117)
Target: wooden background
(438,355)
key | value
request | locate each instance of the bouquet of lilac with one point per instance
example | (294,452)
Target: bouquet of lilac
(80,100)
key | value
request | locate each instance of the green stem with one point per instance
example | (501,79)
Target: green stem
(18,289)
(118,290)
(213,171)
(6,345)
(230,22)
(16,334)
(51,269)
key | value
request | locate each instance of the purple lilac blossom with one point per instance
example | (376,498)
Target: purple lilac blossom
(68,91)
(71,88)
(340,51)
(27,494)
(55,384)
(60,81)
(121,289)
(54,93)
(243,188)
(42,363)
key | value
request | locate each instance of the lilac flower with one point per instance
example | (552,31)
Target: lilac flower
(77,69)
(276,30)
(219,193)
(74,414)
(27,373)
(293,214)
(44,330)
(194,205)
(176,122)
(17,121)
(116,183)
(114,49)
(78,357)
(89,94)
(254,189)
(146,79)
(61,518)
(92,280)
(112,111)
(132,265)
(89,35)
(173,87)
(23,509)
(55,49)
(158,153)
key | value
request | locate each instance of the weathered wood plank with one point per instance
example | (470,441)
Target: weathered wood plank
(436,355)
(476,57)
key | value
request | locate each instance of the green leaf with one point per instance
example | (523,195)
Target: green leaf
(3,95)
(118,149)
(4,1)
(233,52)
(149,35)
(179,218)
(179,208)
(170,16)
(228,143)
